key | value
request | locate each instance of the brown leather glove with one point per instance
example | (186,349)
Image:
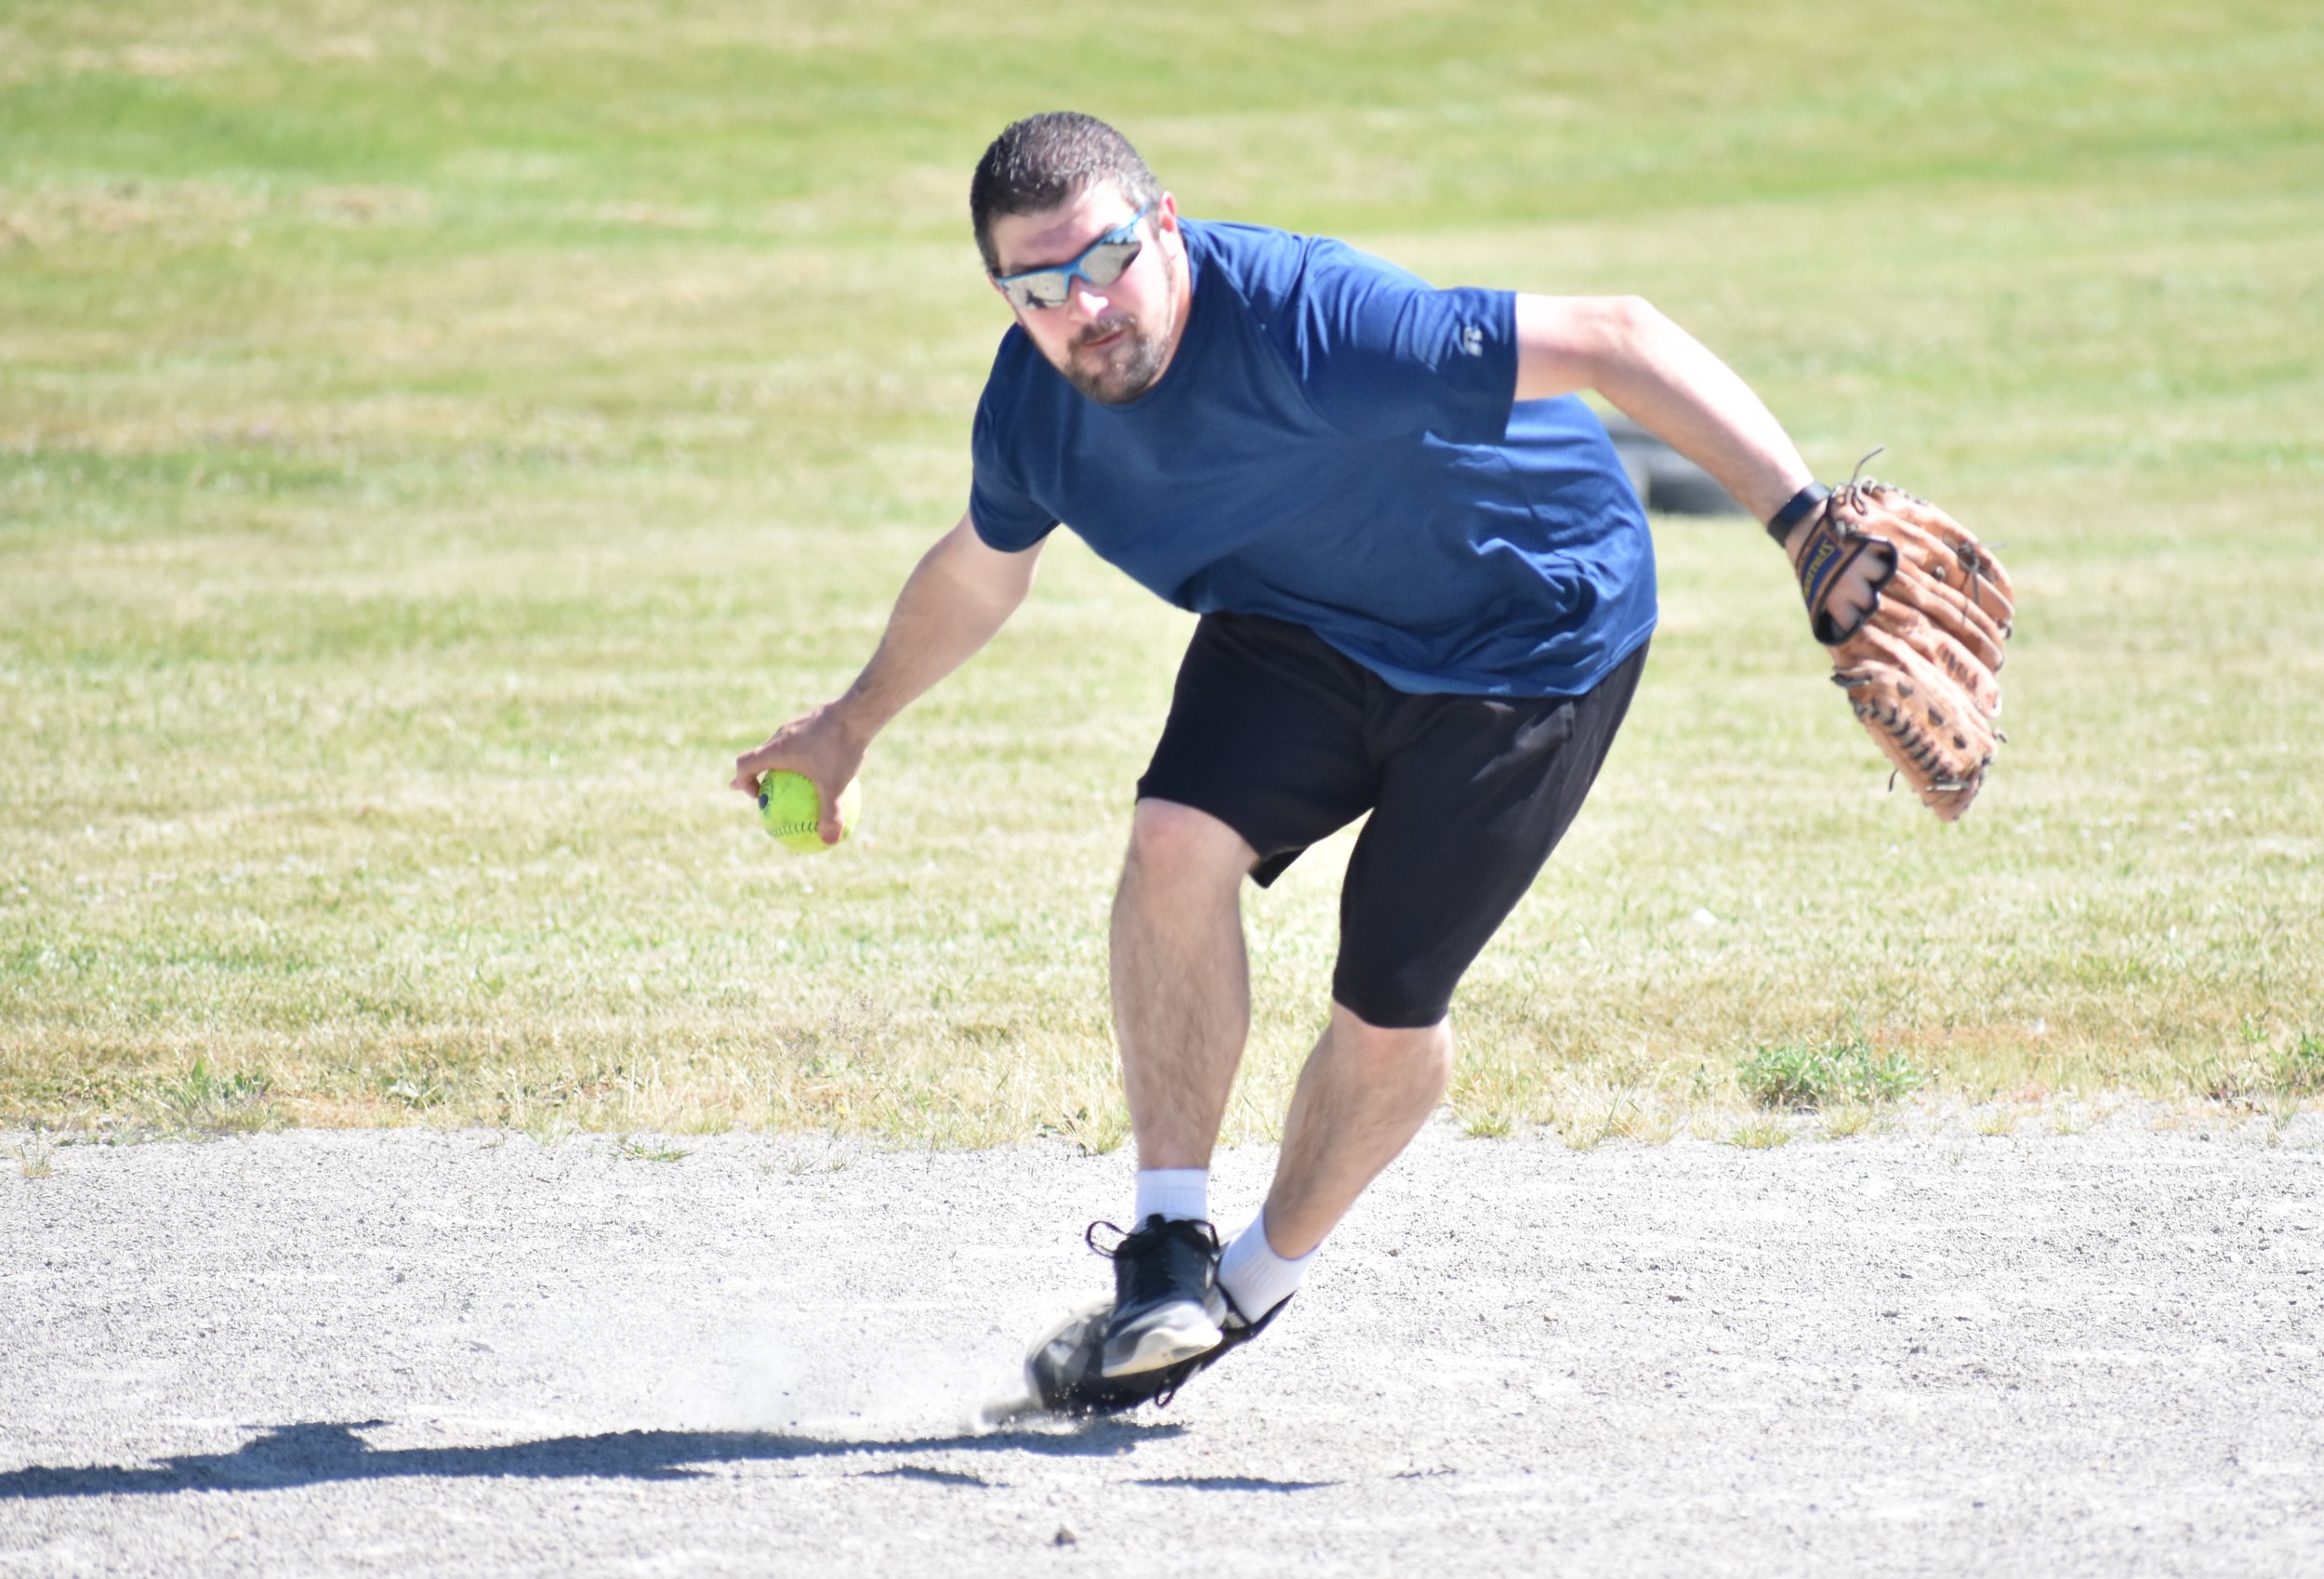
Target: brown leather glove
(1921,667)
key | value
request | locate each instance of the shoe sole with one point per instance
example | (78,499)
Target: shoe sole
(1164,1342)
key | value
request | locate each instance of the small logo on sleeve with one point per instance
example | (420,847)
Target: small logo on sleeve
(1471,341)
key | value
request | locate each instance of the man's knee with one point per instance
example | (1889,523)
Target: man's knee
(1170,842)
(1416,1047)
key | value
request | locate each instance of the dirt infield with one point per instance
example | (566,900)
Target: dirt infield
(1903,1353)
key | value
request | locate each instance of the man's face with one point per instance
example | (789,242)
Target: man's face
(1112,342)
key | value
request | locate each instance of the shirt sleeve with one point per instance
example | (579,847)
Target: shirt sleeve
(1384,353)
(1004,515)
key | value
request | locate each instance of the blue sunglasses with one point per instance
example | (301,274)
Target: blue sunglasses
(1102,262)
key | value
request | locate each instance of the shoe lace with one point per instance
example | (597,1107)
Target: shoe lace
(1164,1252)
(1136,1241)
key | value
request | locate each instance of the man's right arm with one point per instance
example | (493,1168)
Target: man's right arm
(958,595)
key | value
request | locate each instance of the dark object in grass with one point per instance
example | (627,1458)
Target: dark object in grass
(1666,482)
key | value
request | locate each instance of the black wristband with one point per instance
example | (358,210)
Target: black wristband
(1796,509)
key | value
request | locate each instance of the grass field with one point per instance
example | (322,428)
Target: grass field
(435,437)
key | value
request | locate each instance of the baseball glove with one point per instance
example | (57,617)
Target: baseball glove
(1921,666)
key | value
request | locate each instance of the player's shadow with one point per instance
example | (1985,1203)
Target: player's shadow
(324,1451)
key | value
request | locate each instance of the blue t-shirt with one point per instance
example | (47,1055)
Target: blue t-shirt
(1335,445)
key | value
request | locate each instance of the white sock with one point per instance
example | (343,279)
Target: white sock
(1173,1192)
(1254,1276)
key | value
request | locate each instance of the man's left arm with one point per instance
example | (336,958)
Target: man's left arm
(1918,664)
(1673,387)
(1668,381)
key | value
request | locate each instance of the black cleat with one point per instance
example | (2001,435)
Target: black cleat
(1167,1300)
(1065,1374)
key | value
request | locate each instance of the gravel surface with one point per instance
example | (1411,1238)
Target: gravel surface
(405,1351)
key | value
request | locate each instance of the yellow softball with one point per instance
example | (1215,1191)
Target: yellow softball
(791,809)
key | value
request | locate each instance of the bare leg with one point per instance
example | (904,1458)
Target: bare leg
(1181,983)
(1362,1095)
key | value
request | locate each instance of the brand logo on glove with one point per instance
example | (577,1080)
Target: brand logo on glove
(1818,564)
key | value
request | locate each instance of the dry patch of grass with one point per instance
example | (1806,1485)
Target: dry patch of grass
(36,1155)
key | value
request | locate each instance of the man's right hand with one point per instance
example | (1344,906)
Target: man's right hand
(820,745)
(960,593)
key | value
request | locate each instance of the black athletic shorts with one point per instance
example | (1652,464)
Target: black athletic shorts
(1285,740)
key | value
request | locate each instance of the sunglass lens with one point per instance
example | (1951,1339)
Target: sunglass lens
(1106,263)
(1045,289)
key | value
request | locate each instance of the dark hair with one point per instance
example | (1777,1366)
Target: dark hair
(1047,159)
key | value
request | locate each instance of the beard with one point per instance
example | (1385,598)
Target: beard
(1128,367)
(1120,372)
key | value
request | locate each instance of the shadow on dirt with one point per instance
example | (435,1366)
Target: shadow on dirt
(318,1451)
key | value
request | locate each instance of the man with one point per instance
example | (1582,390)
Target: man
(1426,591)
